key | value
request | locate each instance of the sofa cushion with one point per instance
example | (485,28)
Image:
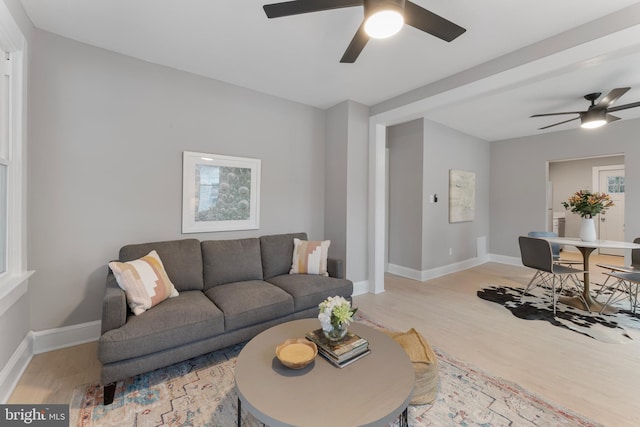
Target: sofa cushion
(227,261)
(247,303)
(277,253)
(144,282)
(310,257)
(309,291)
(182,260)
(189,317)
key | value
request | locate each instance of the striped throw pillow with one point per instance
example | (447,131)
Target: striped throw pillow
(310,257)
(144,281)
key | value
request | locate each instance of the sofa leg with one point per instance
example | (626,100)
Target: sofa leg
(108,392)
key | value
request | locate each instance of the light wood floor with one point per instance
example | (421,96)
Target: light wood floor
(598,380)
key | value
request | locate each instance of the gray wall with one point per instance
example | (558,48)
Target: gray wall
(421,153)
(570,176)
(107,134)
(519,174)
(445,149)
(405,144)
(346,186)
(335,197)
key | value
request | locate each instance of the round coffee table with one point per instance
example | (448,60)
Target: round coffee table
(372,391)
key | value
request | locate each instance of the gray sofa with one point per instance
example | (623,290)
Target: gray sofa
(230,290)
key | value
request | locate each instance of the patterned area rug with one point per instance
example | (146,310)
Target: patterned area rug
(537,305)
(200,392)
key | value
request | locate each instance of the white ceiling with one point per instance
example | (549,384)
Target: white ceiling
(297,57)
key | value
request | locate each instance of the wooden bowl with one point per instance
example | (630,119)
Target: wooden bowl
(296,353)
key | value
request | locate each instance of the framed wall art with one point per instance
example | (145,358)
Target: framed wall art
(219,193)
(462,196)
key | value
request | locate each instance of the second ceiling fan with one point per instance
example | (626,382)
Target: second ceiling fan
(382,18)
(597,114)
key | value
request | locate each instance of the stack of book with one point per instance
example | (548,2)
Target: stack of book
(341,353)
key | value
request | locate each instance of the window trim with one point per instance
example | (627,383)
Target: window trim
(13,41)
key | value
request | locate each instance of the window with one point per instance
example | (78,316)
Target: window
(615,184)
(13,60)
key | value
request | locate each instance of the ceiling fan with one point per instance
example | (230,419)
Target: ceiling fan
(382,18)
(597,114)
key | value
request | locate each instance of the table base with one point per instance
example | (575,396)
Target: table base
(594,306)
(404,418)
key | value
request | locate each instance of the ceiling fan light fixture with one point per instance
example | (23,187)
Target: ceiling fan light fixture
(383,24)
(593,124)
(593,119)
(383,18)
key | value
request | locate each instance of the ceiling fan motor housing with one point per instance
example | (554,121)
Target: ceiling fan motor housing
(593,114)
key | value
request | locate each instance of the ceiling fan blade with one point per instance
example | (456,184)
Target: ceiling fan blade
(358,43)
(610,118)
(431,23)
(612,97)
(288,8)
(556,114)
(556,124)
(623,107)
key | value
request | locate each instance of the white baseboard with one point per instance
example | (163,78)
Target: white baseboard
(360,288)
(503,259)
(41,342)
(67,336)
(407,272)
(12,371)
(433,273)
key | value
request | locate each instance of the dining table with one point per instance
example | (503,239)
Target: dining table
(586,248)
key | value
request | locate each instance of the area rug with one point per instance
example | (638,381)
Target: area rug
(200,392)
(537,305)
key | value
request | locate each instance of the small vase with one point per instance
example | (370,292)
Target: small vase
(336,334)
(588,230)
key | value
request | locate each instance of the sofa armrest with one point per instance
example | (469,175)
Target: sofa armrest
(335,268)
(114,305)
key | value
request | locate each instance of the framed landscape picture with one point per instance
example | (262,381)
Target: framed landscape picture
(462,196)
(219,193)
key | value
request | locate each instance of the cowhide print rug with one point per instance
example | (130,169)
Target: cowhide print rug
(537,305)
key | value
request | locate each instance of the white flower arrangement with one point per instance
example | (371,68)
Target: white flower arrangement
(335,312)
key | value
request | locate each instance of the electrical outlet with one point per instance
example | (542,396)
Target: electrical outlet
(450,251)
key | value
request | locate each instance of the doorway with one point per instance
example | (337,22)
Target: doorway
(568,176)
